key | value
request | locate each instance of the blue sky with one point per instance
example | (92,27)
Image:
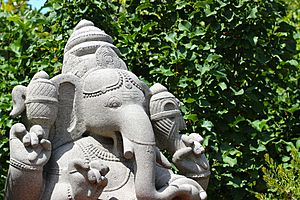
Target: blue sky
(36,3)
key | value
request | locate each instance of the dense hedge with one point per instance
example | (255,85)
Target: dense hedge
(233,63)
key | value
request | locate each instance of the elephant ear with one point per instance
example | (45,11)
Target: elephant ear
(18,96)
(69,124)
(147,94)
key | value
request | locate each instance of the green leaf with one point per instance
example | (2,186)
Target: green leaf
(16,46)
(293,109)
(231,161)
(208,11)
(192,117)
(261,148)
(15,18)
(198,82)
(285,158)
(293,62)
(213,57)
(171,37)
(57,6)
(204,103)
(222,85)
(181,4)
(298,144)
(199,31)
(148,26)
(190,100)
(252,14)
(253,40)
(143,6)
(237,93)
(237,120)
(184,26)
(166,71)
(207,124)
(259,124)
(203,68)
(260,56)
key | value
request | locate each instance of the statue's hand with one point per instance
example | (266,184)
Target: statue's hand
(87,180)
(189,157)
(29,149)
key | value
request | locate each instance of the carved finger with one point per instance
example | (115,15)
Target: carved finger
(26,140)
(18,130)
(203,195)
(96,164)
(179,191)
(38,130)
(182,153)
(188,141)
(196,189)
(203,162)
(198,148)
(77,165)
(32,155)
(34,139)
(46,144)
(196,137)
(94,176)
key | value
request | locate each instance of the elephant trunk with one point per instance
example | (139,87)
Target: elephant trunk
(138,137)
(135,125)
(139,141)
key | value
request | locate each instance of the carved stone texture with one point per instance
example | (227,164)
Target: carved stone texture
(96,130)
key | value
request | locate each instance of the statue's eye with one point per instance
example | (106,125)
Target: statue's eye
(170,106)
(113,102)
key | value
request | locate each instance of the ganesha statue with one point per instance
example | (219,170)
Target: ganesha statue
(96,131)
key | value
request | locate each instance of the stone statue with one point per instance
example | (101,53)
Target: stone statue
(96,131)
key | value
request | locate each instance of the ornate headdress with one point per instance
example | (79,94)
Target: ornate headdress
(88,48)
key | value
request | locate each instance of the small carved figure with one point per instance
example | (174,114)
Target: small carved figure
(96,130)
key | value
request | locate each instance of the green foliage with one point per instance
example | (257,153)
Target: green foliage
(283,180)
(27,45)
(233,64)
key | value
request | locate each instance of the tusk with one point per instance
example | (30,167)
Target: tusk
(128,149)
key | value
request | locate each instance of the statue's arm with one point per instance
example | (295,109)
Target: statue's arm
(29,152)
(186,150)
(190,159)
(24,184)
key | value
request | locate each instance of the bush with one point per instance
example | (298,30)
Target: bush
(283,180)
(27,46)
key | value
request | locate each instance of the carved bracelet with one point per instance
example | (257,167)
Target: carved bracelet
(70,196)
(202,175)
(22,166)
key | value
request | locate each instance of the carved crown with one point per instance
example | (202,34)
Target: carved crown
(88,48)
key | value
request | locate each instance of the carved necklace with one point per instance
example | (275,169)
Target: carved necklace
(93,150)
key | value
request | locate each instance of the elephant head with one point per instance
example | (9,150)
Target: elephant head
(115,100)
